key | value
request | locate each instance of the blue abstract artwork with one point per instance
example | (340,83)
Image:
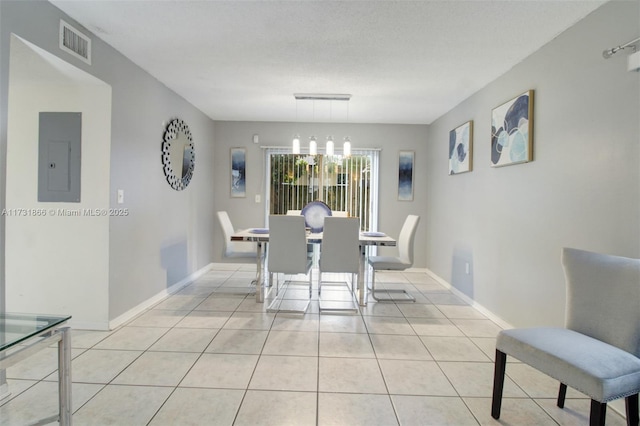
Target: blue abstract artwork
(512,131)
(238,158)
(461,148)
(405,175)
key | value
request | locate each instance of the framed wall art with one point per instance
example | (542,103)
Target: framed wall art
(238,168)
(461,148)
(512,131)
(405,175)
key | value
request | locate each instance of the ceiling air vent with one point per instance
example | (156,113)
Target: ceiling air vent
(74,42)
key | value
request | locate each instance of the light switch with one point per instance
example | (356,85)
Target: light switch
(257,198)
(120,196)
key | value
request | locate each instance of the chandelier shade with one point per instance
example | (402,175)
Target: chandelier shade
(296,145)
(328,150)
(346,147)
(313,146)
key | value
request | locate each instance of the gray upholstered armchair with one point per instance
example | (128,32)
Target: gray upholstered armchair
(598,353)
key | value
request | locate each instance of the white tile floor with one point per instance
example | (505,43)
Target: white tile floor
(207,357)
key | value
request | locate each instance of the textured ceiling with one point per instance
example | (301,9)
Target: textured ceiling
(403,62)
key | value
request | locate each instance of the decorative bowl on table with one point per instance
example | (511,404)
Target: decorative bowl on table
(314,214)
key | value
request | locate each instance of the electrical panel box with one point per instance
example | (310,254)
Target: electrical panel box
(59,156)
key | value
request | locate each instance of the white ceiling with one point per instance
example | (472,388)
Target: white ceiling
(402,61)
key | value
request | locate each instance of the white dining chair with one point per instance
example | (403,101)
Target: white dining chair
(310,247)
(340,253)
(288,255)
(403,261)
(236,249)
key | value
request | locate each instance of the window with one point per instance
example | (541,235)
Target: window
(344,184)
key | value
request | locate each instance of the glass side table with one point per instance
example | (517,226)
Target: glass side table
(22,335)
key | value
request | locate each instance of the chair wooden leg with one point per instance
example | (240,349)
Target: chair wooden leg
(631,403)
(562,393)
(598,413)
(498,383)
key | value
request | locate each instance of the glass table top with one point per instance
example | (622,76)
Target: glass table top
(16,328)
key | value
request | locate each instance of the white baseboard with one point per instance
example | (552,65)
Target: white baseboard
(486,312)
(4,391)
(116,322)
(85,325)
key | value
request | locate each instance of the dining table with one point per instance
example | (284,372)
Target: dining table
(260,236)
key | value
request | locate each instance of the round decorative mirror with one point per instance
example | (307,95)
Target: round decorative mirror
(178,154)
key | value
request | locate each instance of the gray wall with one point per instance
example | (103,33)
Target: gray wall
(582,189)
(509,224)
(167,235)
(244,212)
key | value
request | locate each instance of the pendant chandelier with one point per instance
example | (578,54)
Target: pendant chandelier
(313,143)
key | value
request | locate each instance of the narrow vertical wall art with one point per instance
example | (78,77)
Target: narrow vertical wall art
(238,158)
(405,175)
